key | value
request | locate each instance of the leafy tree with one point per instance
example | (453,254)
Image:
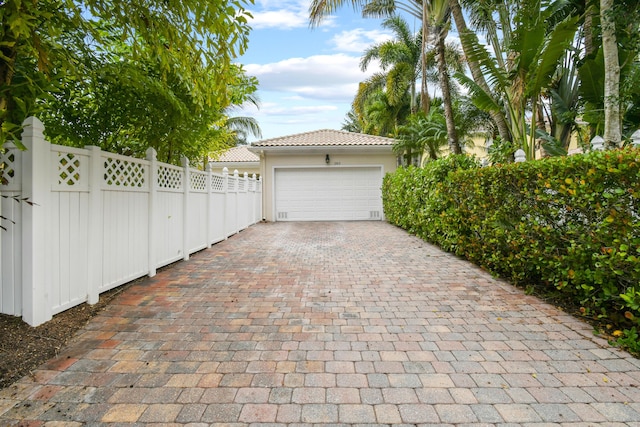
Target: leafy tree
(125,105)
(625,16)
(525,58)
(40,40)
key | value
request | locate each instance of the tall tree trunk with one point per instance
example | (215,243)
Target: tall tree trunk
(588,30)
(589,48)
(443,75)
(478,77)
(425,101)
(540,120)
(612,126)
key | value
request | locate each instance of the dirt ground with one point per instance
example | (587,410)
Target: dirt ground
(23,348)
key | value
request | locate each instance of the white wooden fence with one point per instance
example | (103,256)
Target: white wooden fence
(99,220)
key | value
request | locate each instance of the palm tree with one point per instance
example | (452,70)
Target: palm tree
(351,122)
(382,8)
(380,117)
(401,57)
(422,132)
(241,127)
(435,18)
(468,39)
(439,14)
(319,9)
(434,15)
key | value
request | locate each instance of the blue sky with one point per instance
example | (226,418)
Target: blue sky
(308,77)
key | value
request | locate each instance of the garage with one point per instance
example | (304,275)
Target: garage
(324,175)
(328,194)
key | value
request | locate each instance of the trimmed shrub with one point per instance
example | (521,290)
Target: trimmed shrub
(567,225)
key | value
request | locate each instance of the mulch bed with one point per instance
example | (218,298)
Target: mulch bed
(23,348)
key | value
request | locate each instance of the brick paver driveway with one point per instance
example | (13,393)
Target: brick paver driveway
(310,323)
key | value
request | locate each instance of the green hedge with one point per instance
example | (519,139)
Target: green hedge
(568,225)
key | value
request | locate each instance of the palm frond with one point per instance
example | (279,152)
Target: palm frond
(556,46)
(320,9)
(478,53)
(246,125)
(398,82)
(366,89)
(479,97)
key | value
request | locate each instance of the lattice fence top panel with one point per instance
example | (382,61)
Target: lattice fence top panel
(217,183)
(242,184)
(68,169)
(198,181)
(119,172)
(170,177)
(232,184)
(9,161)
(252,185)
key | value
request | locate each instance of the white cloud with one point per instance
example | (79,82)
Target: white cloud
(283,15)
(333,77)
(314,86)
(358,40)
(277,109)
(281,19)
(297,110)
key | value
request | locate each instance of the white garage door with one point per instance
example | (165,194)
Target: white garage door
(328,194)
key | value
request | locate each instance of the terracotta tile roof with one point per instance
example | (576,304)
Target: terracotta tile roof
(325,138)
(238,154)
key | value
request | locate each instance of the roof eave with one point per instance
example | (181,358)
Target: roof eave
(241,164)
(304,149)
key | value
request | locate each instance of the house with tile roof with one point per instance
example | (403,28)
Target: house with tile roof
(238,158)
(324,175)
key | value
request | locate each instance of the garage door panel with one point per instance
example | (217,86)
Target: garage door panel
(328,194)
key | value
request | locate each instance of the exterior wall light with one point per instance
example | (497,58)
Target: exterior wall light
(327,160)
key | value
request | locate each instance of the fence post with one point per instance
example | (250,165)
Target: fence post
(95,224)
(152,157)
(185,208)
(597,143)
(520,156)
(225,188)
(635,139)
(260,200)
(36,186)
(207,169)
(246,220)
(254,202)
(236,177)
